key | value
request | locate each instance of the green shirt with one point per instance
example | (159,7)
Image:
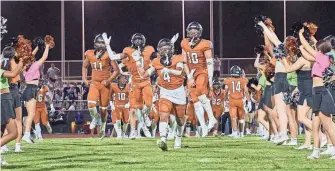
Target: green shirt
(262,81)
(3,81)
(292,78)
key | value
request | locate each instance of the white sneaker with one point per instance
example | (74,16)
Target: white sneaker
(5,149)
(215,133)
(27,139)
(204,132)
(314,155)
(329,151)
(303,147)
(132,135)
(281,140)
(248,132)
(2,161)
(18,150)
(211,124)
(177,142)
(197,134)
(291,143)
(93,124)
(49,129)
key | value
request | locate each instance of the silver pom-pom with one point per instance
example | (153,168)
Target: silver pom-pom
(3,27)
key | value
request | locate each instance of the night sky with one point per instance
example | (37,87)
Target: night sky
(157,20)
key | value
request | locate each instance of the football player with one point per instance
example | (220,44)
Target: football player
(197,53)
(101,77)
(236,86)
(218,98)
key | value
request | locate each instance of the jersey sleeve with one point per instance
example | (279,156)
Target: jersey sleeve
(208,45)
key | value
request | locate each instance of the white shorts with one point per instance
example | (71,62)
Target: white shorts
(176,96)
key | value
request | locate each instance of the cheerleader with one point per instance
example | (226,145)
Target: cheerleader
(323,104)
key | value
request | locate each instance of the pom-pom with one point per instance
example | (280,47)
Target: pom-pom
(291,46)
(252,81)
(259,18)
(313,28)
(279,52)
(50,41)
(24,50)
(13,41)
(39,42)
(259,49)
(3,27)
(259,30)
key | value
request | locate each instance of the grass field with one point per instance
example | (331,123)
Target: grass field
(212,153)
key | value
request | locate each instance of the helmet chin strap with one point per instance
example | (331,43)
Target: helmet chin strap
(191,42)
(166,59)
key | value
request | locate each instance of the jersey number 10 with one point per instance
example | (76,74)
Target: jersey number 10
(122,96)
(97,66)
(236,87)
(193,57)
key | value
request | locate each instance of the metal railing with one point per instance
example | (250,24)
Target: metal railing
(71,70)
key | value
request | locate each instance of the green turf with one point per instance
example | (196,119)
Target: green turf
(249,153)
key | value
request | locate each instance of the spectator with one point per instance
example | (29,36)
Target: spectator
(58,98)
(217,66)
(53,73)
(65,91)
(85,90)
(73,106)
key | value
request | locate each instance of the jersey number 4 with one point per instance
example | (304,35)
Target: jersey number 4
(166,77)
(236,87)
(97,66)
(193,57)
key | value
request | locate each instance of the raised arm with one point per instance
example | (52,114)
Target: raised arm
(45,54)
(305,44)
(15,72)
(306,55)
(210,66)
(270,34)
(294,67)
(35,51)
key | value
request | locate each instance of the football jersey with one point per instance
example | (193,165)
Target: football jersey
(41,96)
(166,80)
(130,63)
(218,99)
(236,87)
(101,68)
(121,96)
(196,56)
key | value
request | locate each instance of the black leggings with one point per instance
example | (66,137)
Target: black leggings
(224,118)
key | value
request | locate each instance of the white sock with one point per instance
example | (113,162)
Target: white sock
(163,126)
(139,127)
(38,130)
(118,128)
(179,130)
(243,125)
(206,104)
(139,115)
(200,113)
(93,112)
